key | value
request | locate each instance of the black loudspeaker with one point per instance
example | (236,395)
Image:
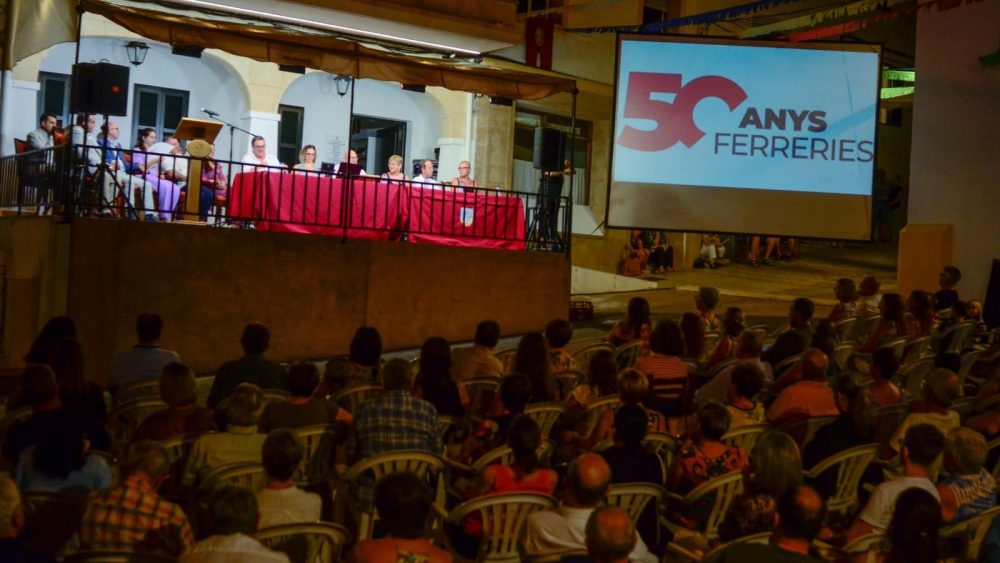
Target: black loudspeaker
(550,148)
(991,307)
(100,88)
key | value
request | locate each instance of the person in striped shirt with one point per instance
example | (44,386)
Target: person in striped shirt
(668,374)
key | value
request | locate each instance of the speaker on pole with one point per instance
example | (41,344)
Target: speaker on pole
(100,88)
(550,148)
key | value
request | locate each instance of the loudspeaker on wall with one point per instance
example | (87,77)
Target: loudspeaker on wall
(550,148)
(100,88)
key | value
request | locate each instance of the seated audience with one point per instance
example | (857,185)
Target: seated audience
(668,374)
(913,529)
(810,397)
(771,249)
(733,323)
(253,367)
(713,249)
(525,473)
(130,515)
(492,432)
(705,302)
(233,514)
(558,333)
(240,441)
(633,389)
(800,518)
(572,429)
(478,360)
(846,293)
(361,365)
(869,297)
(969,489)
(824,340)
(281,502)
(183,415)
(774,471)
(693,328)
(661,253)
(942,335)
(301,408)
(747,380)
(532,359)
(748,350)
(12,522)
(974,307)
(883,367)
(610,536)
(434,383)
(60,463)
(66,362)
(54,331)
(40,390)
(941,388)
(891,325)
(403,504)
(798,336)
(703,456)
(947,296)
(551,534)
(635,326)
(921,446)
(146,359)
(919,314)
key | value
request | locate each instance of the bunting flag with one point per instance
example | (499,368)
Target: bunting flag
(879,17)
(852,10)
(538,42)
(695,19)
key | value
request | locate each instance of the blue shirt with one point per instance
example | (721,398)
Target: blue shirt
(95,475)
(113,153)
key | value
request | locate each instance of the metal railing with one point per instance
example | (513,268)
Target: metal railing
(131,184)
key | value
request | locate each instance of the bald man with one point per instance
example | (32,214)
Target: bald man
(808,398)
(553,534)
(610,535)
(800,517)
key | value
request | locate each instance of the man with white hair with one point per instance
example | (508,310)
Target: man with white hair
(122,174)
(426,177)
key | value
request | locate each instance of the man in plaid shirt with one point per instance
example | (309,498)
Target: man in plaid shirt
(395,421)
(131,515)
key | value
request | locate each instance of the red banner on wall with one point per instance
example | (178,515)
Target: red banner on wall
(538,42)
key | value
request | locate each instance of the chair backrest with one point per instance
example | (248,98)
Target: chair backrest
(20,146)
(960,334)
(851,464)
(917,348)
(504,516)
(717,368)
(865,543)
(598,407)
(663,446)
(887,420)
(506,358)
(126,417)
(351,396)
(968,359)
(248,475)
(713,554)
(505,456)
(545,414)
(843,351)
(178,447)
(762,330)
(964,406)
(843,328)
(568,380)
(116,556)
(897,345)
(477,388)
(583,355)
(972,532)
(803,431)
(138,390)
(268,395)
(313,542)
(911,377)
(319,441)
(203,385)
(51,520)
(789,362)
(633,497)
(865,327)
(720,491)
(712,338)
(745,436)
(627,354)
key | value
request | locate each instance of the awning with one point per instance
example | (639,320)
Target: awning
(31,26)
(300,45)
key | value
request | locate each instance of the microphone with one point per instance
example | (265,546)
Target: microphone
(210,112)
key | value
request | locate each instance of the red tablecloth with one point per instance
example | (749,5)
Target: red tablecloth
(246,195)
(466,219)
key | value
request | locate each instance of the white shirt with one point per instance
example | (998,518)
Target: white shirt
(427,182)
(717,389)
(234,548)
(882,503)
(270,160)
(287,506)
(550,535)
(141,363)
(178,164)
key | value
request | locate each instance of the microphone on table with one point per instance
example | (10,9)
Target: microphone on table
(210,112)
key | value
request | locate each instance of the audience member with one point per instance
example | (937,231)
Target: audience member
(301,408)
(824,339)
(969,488)
(869,297)
(774,470)
(130,515)
(54,331)
(733,323)
(434,383)
(610,535)
(573,428)
(713,249)
(233,514)
(635,326)
(703,456)
(810,397)
(913,529)
(974,307)
(947,296)
(884,366)
(43,138)
(281,502)
(214,186)
(525,473)
(558,333)
(183,415)
(942,335)
(770,250)
(846,293)
(60,463)
(253,367)
(361,365)
(920,449)
(693,330)
(478,360)
(794,340)
(12,522)
(240,441)
(951,361)
(891,325)
(74,389)
(941,388)
(492,432)
(746,381)
(919,314)
(668,374)
(661,253)
(549,535)
(463,180)
(532,359)
(259,156)
(801,514)
(633,389)
(748,351)
(146,359)
(705,302)
(426,177)
(403,504)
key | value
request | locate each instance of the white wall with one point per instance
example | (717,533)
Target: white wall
(19,115)
(954,170)
(326,115)
(210,82)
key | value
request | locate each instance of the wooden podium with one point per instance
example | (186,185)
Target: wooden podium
(199,134)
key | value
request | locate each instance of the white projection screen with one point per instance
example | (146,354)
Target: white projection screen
(714,135)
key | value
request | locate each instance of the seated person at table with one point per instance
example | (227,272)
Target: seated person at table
(214,187)
(395,170)
(307,159)
(350,157)
(463,180)
(127,184)
(258,155)
(426,177)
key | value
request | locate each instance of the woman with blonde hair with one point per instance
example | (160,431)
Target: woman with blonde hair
(775,468)
(307,159)
(395,170)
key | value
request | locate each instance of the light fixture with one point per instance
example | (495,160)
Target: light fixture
(136,52)
(419,88)
(297,69)
(187,51)
(343,82)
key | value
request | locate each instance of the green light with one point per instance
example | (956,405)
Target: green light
(888,93)
(901,75)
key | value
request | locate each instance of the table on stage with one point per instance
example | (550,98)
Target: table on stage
(312,204)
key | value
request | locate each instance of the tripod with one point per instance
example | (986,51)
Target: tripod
(103,176)
(543,231)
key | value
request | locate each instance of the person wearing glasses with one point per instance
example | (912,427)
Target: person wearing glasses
(464,180)
(307,160)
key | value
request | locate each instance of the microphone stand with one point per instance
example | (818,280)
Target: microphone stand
(232,130)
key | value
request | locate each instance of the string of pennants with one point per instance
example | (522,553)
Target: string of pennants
(694,19)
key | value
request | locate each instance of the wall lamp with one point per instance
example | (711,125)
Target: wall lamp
(136,52)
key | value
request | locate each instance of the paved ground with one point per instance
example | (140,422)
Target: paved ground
(763,293)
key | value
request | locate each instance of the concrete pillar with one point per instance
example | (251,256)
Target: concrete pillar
(259,123)
(494,136)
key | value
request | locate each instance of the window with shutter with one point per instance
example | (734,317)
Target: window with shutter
(290,133)
(53,96)
(159,108)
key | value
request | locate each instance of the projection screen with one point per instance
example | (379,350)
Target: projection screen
(726,136)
